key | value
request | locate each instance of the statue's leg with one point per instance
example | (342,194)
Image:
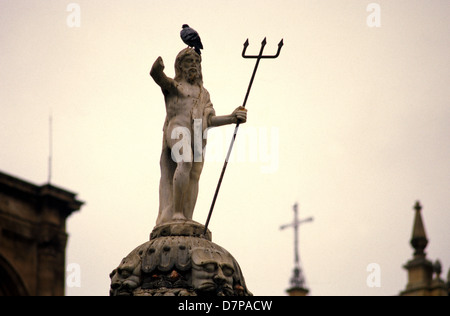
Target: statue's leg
(181,182)
(191,197)
(168,167)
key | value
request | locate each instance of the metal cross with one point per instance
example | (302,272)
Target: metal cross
(258,59)
(297,280)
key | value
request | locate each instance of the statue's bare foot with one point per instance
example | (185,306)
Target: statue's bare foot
(179,217)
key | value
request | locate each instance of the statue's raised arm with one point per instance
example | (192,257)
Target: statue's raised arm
(157,73)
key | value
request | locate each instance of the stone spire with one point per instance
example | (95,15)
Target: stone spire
(419,239)
(420,269)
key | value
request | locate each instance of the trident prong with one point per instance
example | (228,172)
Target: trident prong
(258,59)
(263,44)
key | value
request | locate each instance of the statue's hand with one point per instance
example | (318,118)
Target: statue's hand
(240,115)
(158,66)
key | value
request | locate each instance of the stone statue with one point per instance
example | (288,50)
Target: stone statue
(189,113)
(180,258)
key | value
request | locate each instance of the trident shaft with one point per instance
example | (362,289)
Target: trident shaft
(258,59)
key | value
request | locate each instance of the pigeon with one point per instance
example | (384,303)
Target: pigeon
(191,38)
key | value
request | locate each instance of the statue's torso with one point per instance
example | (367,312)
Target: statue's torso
(180,106)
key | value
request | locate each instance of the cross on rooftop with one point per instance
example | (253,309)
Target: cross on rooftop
(297,280)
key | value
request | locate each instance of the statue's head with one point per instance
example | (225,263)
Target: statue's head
(188,66)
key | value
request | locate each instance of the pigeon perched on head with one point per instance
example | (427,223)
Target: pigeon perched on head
(191,38)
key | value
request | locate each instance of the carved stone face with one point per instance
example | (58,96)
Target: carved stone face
(126,277)
(212,271)
(188,66)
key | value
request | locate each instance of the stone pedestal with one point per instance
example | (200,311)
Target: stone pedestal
(179,260)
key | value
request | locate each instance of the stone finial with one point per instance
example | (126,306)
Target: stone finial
(417,206)
(419,239)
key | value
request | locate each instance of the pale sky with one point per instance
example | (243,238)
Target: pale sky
(351,122)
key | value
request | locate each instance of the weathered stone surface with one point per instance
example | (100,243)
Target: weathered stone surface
(178,263)
(180,228)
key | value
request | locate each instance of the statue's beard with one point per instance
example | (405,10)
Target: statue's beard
(192,75)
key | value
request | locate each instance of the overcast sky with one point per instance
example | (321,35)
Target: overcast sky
(351,121)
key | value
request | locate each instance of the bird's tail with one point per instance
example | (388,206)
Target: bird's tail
(197,50)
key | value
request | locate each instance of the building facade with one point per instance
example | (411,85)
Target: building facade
(33,237)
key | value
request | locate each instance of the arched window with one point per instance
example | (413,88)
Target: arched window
(10,282)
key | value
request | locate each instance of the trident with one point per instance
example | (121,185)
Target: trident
(258,59)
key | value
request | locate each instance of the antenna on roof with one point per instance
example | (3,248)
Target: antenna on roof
(50,145)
